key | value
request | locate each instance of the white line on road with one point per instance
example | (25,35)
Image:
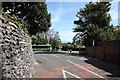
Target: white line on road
(86,69)
(83,58)
(55,56)
(35,62)
(65,77)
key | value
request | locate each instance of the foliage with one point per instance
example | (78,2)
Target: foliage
(94,24)
(50,37)
(66,46)
(34,14)
(19,22)
(113,33)
(54,39)
(93,14)
(39,38)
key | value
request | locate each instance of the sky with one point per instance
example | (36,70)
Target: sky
(63,14)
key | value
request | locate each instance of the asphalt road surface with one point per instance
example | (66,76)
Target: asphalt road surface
(74,66)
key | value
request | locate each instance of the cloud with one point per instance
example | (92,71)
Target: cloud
(56,18)
(77,0)
(114,11)
(114,15)
(67,35)
(57,15)
(66,1)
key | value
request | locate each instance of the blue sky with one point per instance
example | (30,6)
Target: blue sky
(63,15)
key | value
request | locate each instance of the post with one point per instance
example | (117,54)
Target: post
(93,43)
(93,48)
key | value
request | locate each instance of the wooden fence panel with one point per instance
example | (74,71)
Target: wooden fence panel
(109,51)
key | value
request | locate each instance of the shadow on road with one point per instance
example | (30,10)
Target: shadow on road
(112,68)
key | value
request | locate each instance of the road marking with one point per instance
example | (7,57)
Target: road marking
(83,58)
(35,62)
(86,69)
(65,77)
(55,56)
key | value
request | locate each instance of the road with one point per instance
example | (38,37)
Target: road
(72,65)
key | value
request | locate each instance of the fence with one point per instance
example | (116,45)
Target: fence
(109,51)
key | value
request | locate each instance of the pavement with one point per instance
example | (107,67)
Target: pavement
(66,66)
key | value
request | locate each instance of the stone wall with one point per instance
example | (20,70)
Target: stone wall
(15,51)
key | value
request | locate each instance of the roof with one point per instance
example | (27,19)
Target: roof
(41,45)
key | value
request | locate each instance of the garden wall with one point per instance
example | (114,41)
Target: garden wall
(15,51)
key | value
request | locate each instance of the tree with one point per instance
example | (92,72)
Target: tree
(40,38)
(54,39)
(34,14)
(113,33)
(117,32)
(92,21)
(50,37)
